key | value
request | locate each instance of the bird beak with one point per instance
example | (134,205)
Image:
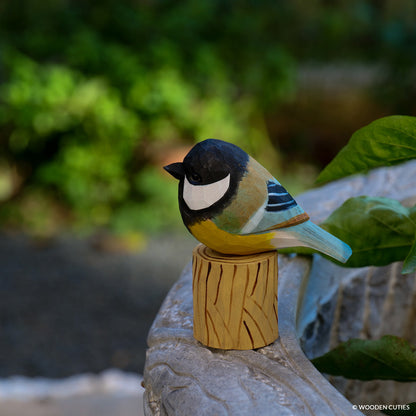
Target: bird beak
(175,169)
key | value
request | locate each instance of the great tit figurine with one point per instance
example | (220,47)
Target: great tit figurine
(233,205)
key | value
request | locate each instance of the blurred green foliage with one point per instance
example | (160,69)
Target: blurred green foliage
(94,95)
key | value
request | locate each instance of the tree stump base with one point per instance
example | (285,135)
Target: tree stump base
(234,299)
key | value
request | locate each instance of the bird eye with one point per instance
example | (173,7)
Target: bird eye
(195,177)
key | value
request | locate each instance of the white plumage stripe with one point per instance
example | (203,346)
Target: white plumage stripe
(278,194)
(254,221)
(280,204)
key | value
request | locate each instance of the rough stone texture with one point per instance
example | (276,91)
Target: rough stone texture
(388,306)
(365,302)
(320,305)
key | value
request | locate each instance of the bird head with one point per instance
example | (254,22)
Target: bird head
(209,176)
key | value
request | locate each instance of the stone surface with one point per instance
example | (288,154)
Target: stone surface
(365,302)
(320,304)
(387,306)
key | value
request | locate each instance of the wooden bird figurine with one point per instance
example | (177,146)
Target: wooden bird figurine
(233,205)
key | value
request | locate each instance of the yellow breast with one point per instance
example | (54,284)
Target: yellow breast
(215,238)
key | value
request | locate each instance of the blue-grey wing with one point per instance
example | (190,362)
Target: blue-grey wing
(279,210)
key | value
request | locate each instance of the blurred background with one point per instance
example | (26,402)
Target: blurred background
(96,96)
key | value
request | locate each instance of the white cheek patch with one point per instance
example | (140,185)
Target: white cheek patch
(203,196)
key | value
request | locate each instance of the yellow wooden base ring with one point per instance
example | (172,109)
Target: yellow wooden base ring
(235,299)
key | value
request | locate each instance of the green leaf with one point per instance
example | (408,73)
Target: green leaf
(378,230)
(409,410)
(384,142)
(409,265)
(389,358)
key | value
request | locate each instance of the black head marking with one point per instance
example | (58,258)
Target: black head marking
(207,162)
(212,160)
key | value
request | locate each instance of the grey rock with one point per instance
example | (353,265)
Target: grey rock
(389,304)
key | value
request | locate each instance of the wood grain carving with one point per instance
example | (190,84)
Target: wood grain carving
(235,299)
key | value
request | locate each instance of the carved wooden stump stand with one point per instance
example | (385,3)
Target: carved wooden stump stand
(235,299)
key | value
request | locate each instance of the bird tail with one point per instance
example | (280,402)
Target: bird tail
(311,235)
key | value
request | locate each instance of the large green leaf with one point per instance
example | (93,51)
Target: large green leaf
(409,265)
(406,410)
(379,230)
(384,142)
(389,358)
